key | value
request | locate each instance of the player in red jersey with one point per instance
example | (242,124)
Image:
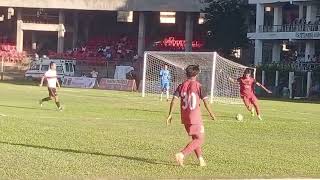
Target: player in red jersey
(190,92)
(247,92)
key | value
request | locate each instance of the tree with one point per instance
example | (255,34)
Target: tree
(225,21)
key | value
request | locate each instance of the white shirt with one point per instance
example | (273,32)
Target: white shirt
(51,76)
(94,74)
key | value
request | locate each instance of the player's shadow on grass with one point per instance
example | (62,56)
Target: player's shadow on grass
(164,112)
(21,82)
(145,160)
(144,110)
(29,108)
(304,101)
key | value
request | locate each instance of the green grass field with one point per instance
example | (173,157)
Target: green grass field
(106,134)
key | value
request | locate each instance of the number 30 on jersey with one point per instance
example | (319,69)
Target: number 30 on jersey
(189,101)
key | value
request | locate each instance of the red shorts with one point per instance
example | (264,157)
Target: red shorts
(194,129)
(250,99)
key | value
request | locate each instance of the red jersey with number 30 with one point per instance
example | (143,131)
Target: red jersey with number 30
(190,93)
(246,86)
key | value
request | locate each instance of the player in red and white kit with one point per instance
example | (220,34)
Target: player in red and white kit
(247,94)
(52,82)
(191,93)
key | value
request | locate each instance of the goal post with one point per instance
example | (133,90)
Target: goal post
(144,74)
(218,75)
(213,76)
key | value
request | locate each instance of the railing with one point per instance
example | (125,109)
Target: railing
(287,28)
(294,66)
(305,66)
(41,19)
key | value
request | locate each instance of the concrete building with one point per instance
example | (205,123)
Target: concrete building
(64,16)
(286,30)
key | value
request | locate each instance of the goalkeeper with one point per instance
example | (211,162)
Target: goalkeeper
(165,78)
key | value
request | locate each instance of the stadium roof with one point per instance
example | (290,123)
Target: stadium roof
(110,5)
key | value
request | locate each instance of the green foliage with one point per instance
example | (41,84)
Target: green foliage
(114,135)
(226,24)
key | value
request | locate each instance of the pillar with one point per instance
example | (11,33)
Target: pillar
(310,49)
(86,30)
(277,16)
(309,83)
(301,11)
(258,42)
(311,13)
(258,52)
(61,32)
(19,37)
(291,80)
(142,33)
(75,29)
(189,32)
(259,16)
(263,78)
(33,40)
(276,84)
(276,52)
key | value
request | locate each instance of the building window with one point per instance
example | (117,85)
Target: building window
(168,17)
(201,18)
(125,16)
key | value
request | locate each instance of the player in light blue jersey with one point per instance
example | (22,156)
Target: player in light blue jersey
(165,79)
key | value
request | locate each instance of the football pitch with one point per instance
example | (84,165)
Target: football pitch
(108,134)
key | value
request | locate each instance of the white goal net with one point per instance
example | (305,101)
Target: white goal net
(216,76)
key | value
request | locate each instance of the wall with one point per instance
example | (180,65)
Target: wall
(111,5)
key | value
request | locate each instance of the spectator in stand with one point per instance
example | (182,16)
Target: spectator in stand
(317,24)
(309,58)
(314,59)
(100,49)
(83,48)
(135,58)
(103,48)
(36,57)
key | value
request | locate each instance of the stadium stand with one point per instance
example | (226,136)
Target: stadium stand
(98,50)
(9,53)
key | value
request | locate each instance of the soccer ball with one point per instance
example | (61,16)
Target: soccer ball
(239,117)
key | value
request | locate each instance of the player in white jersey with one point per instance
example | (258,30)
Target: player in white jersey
(52,82)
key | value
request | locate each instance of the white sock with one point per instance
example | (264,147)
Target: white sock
(180,154)
(168,95)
